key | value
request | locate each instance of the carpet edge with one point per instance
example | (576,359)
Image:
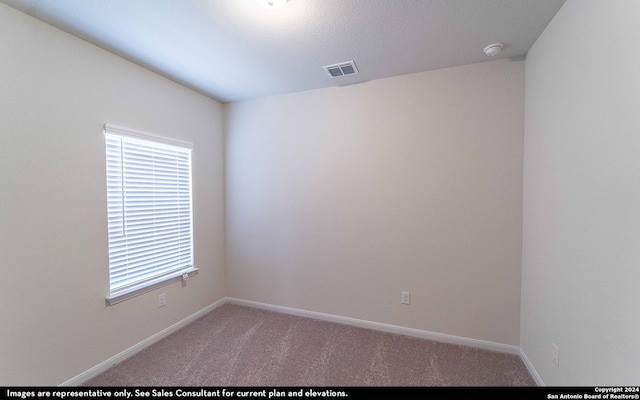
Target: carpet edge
(418,333)
(108,363)
(532,370)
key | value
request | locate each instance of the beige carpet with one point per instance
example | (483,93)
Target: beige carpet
(241,346)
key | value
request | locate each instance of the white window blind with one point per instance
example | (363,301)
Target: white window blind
(149,212)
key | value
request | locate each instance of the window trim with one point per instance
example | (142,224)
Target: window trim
(167,279)
(151,285)
(122,131)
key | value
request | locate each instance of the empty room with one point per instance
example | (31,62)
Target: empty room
(320,193)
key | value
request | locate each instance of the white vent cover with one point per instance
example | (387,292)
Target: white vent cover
(339,69)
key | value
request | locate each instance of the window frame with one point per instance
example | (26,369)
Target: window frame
(131,290)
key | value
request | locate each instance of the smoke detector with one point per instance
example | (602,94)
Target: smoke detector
(493,49)
(340,69)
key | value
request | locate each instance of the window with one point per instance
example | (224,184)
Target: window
(149,212)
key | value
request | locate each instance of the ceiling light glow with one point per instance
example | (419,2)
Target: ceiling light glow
(272,5)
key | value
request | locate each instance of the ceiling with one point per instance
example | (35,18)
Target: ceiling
(234,50)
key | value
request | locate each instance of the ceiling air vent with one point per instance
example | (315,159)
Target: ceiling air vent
(343,68)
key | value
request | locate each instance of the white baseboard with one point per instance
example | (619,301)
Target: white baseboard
(103,366)
(531,368)
(440,337)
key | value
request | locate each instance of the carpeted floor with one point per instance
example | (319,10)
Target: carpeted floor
(240,346)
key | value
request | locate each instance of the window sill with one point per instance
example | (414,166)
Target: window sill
(149,286)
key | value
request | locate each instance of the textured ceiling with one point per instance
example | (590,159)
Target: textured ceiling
(234,50)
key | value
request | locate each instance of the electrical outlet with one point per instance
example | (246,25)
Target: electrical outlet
(162,300)
(555,353)
(405,298)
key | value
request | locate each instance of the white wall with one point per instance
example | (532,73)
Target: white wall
(56,91)
(338,199)
(581,234)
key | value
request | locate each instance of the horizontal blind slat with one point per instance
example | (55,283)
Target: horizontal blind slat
(149,210)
